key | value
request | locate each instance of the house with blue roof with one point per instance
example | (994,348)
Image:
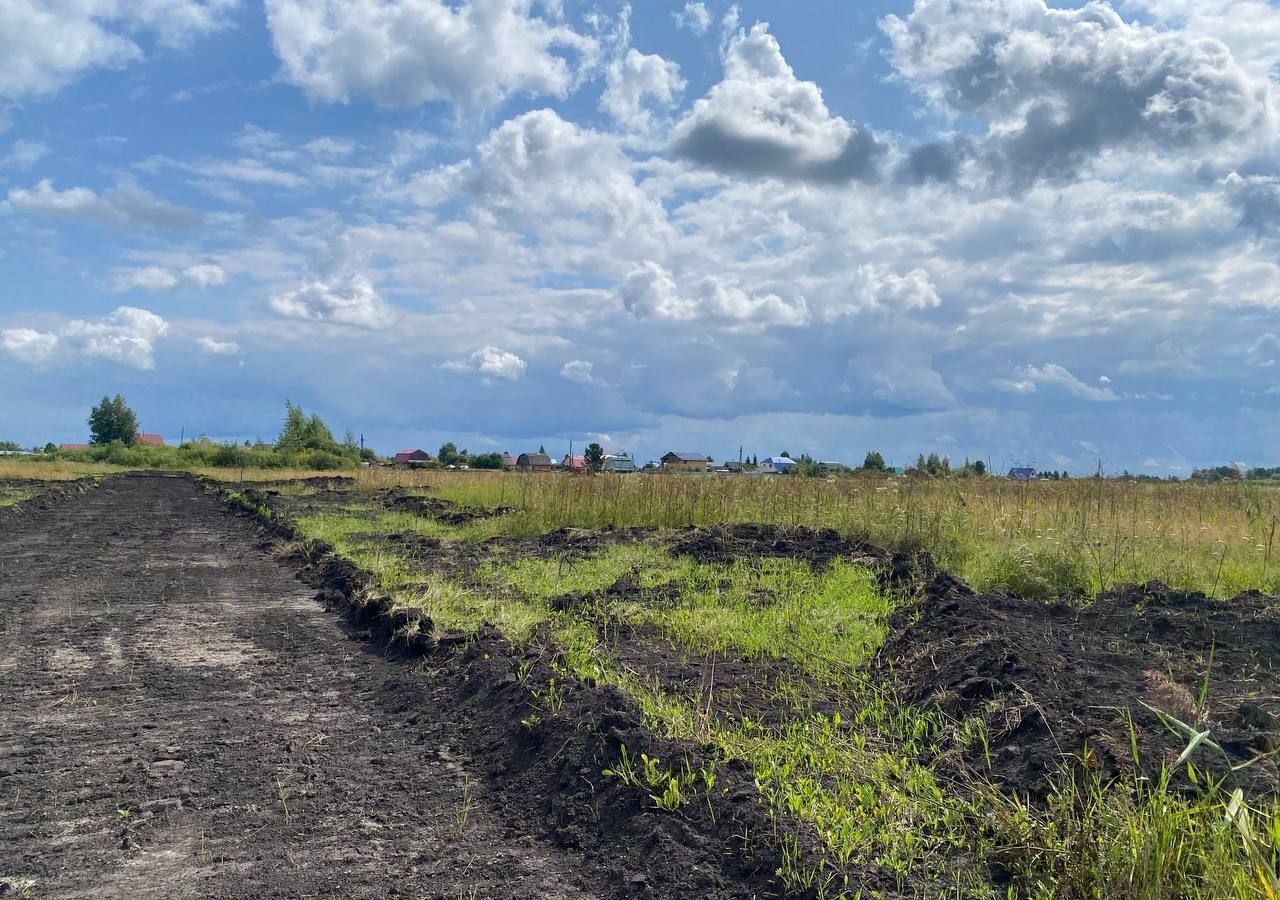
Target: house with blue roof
(778,465)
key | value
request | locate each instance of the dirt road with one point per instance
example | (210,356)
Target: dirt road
(179,718)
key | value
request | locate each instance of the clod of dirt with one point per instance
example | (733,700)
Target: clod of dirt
(1050,679)
(445,511)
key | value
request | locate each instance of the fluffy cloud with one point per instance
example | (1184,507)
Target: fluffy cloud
(125,205)
(571,186)
(762,121)
(157,278)
(650,291)
(492,362)
(1055,375)
(578,371)
(695,16)
(127,336)
(1257,197)
(632,80)
(47,45)
(1060,86)
(28,345)
(218,348)
(349,300)
(473,54)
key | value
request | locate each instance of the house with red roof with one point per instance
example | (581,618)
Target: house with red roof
(411,457)
(150,440)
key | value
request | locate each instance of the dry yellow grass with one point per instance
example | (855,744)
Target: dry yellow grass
(1036,537)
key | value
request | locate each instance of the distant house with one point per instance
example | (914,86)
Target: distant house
(151,440)
(733,467)
(777,464)
(677,461)
(410,457)
(619,462)
(73,446)
(574,463)
(1022,473)
(508,461)
(533,462)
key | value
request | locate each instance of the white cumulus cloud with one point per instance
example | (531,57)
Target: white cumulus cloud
(28,345)
(218,348)
(127,336)
(47,44)
(491,361)
(1058,87)
(763,121)
(637,81)
(1056,375)
(472,54)
(577,371)
(350,300)
(159,278)
(125,205)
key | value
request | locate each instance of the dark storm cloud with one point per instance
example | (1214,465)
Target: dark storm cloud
(713,145)
(1060,86)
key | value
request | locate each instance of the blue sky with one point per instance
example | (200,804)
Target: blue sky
(1003,229)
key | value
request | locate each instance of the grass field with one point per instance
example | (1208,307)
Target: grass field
(1035,538)
(766,659)
(831,749)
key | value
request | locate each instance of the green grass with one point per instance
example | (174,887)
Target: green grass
(1036,538)
(12,496)
(854,780)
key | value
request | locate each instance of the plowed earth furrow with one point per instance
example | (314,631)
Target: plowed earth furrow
(179,718)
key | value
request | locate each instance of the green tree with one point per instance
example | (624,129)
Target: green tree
(303,432)
(9,445)
(595,457)
(486,461)
(51,447)
(448,454)
(873,461)
(113,420)
(542,450)
(785,455)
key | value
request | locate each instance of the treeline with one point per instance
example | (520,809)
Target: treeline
(305,442)
(1236,473)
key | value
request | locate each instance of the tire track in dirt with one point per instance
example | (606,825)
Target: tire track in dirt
(179,718)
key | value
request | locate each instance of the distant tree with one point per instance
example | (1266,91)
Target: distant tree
(979,468)
(448,454)
(486,461)
(542,450)
(113,420)
(785,455)
(595,457)
(367,454)
(9,445)
(303,432)
(873,461)
(350,441)
(51,447)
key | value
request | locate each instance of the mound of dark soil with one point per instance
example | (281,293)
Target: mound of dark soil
(49,495)
(445,511)
(725,543)
(1051,680)
(544,741)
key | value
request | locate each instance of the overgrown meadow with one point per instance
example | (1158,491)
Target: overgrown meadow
(767,660)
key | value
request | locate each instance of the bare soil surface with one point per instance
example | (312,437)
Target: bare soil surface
(1051,680)
(179,717)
